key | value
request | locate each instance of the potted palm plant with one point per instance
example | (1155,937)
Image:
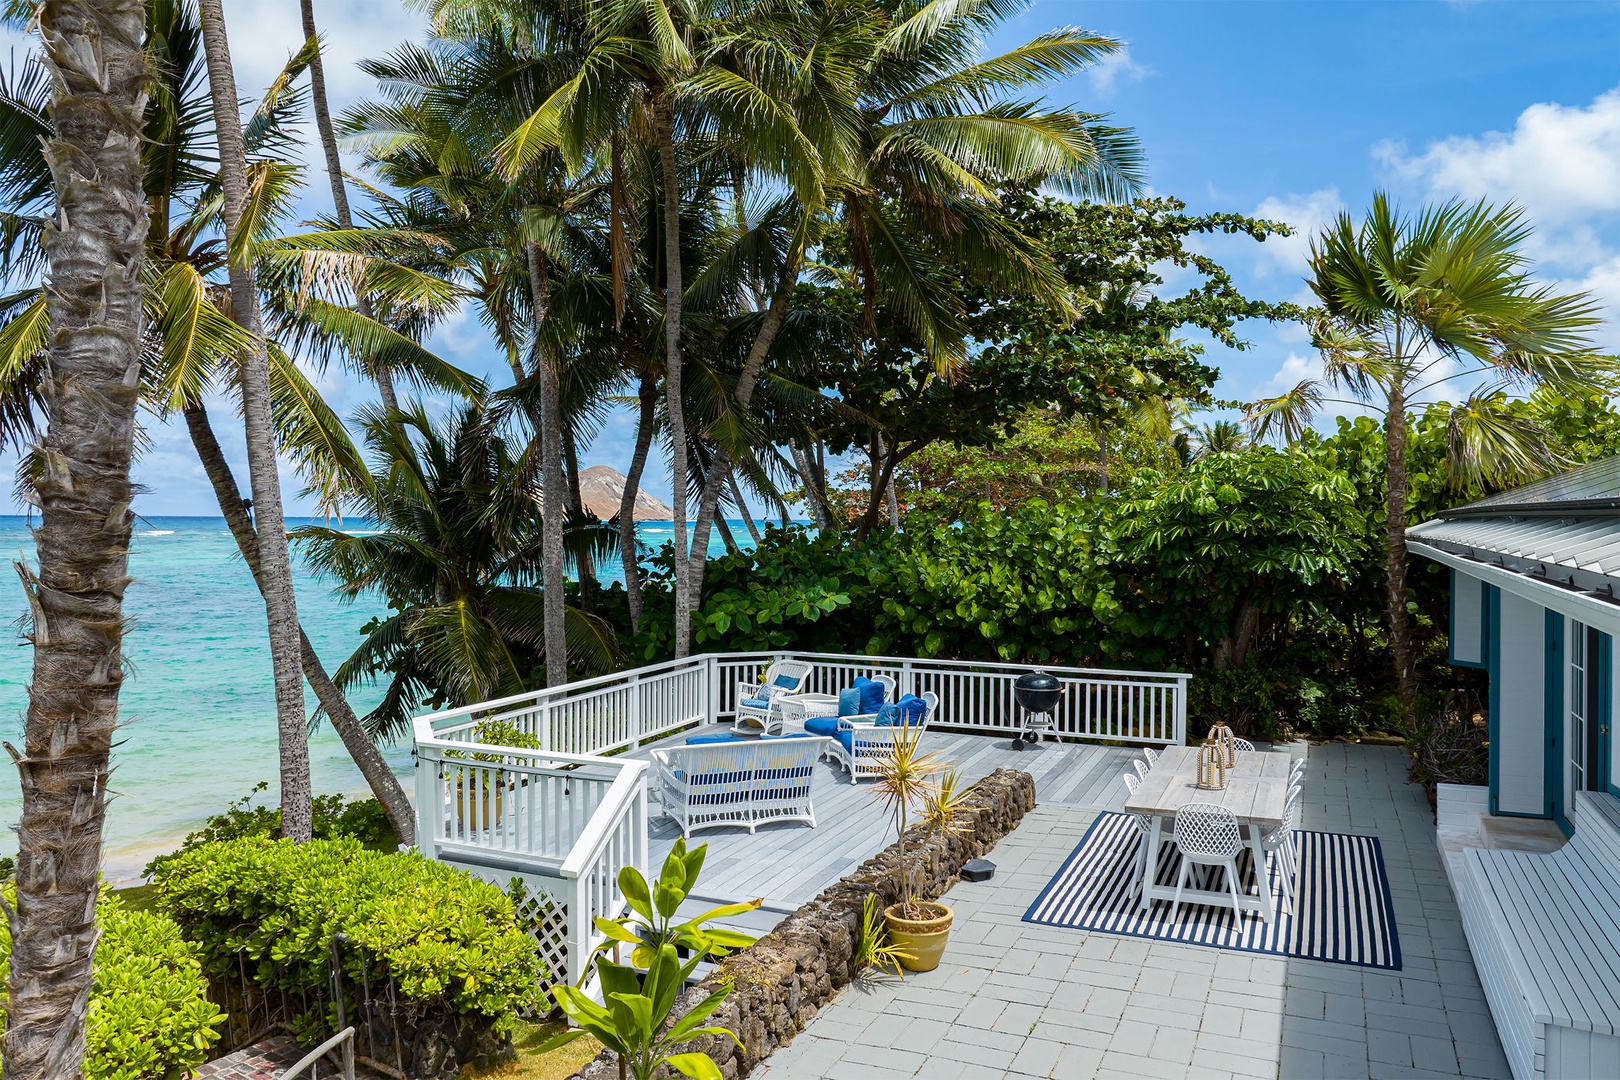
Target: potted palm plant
(491,733)
(911,782)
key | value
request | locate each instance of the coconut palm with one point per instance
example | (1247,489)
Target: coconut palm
(913,135)
(1409,304)
(93,247)
(456,551)
(189,346)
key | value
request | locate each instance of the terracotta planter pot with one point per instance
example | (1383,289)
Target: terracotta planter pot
(923,940)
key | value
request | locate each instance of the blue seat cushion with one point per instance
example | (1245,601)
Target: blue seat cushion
(711,737)
(848,739)
(913,709)
(825,726)
(849,702)
(872,693)
(757,703)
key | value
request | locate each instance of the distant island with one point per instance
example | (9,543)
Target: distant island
(601,488)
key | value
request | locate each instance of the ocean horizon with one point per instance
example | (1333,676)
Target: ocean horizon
(197,707)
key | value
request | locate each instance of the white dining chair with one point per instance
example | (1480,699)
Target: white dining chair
(1280,845)
(1296,774)
(1144,826)
(1208,836)
(1150,756)
(1243,744)
(1140,766)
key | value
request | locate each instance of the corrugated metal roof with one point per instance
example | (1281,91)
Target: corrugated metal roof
(1595,481)
(1591,545)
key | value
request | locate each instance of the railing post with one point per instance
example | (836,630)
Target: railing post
(908,679)
(543,736)
(429,802)
(711,706)
(1181,710)
(638,721)
(579,927)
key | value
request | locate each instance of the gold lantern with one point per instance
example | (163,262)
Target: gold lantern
(1224,739)
(1212,766)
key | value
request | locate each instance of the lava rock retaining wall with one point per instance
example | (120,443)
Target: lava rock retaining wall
(782,980)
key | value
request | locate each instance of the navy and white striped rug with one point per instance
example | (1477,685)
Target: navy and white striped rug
(1343,914)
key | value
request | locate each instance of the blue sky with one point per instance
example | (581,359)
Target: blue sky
(1287,110)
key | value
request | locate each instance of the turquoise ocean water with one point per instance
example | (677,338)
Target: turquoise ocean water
(198,704)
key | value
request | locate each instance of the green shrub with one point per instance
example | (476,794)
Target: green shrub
(450,941)
(150,1018)
(334,818)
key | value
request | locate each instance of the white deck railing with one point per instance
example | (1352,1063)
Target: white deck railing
(574,812)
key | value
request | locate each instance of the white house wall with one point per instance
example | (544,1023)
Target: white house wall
(1467,619)
(1521,720)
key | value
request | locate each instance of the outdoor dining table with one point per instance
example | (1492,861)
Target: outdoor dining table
(1256,792)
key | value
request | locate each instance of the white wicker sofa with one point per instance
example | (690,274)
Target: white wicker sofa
(747,782)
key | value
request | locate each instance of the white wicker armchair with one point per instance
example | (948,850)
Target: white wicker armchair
(757,710)
(742,782)
(862,744)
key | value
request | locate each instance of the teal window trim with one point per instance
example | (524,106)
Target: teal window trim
(1555,675)
(1493,703)
(1605,713)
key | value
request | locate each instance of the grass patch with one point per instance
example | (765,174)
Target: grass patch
(532,1066)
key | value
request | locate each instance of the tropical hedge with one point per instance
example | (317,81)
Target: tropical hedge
(150,1017)
(450,942)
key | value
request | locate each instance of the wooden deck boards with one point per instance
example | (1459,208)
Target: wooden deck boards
(788,863)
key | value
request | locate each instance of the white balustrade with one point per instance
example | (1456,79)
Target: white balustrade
(575,812)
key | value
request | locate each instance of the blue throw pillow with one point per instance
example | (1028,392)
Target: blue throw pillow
(912,709)
(849,702)
(786,682)
(888,715)
(872,693)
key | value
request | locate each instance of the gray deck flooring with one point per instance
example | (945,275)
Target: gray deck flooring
(788,863)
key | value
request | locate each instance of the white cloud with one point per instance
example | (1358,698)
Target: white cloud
(1115,68)
(1307,215)
(1562,164)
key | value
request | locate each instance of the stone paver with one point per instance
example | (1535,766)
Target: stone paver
(1018,1000)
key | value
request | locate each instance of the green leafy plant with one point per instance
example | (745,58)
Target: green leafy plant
(450,941)
(630,1021)
(150,1017)
(651,925)
(911,779)
(873,950)
(335,818)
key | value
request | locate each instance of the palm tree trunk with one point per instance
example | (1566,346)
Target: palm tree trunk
(769,327)
(1400,623)
(385,786)
(334,172)
(281,607)
(664,125)
(819,510)
(647,417)
(742,508)
(587,563)
(554,487)
(95,241)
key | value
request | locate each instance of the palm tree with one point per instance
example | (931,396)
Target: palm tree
(457,554)
(1409,304)
(94,248)
(275,564)
(190,345)
(914,135)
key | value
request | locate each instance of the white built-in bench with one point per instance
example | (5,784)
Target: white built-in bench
(1545,933)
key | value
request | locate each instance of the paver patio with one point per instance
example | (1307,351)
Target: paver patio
(1016,999)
